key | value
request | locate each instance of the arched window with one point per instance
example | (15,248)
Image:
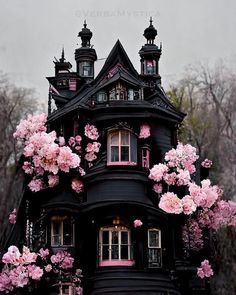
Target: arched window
(115,246)
(154,248)
(62,231)
(122,148)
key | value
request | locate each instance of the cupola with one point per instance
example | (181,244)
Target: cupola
(150,54)
(85,56)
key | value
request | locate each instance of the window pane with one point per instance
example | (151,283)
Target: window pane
(114,252)
(124,237)
(115,139)
(124,252)
(105,237)
(124,153)
(67,232)
(105,252)
(154,257)
(154,239)
(114,154)
(114,237)
(124,138)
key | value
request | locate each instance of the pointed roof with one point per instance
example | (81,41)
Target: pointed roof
(117,55)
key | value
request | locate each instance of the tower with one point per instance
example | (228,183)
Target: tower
(150,54)
(85,56)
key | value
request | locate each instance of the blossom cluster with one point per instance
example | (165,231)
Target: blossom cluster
(93,148)
(45,154)
(205,269)
(145,131)
(137,223)
(206,163)
(77,185)
(22,269)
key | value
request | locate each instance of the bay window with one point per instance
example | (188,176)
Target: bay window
(115,246)
(122,148)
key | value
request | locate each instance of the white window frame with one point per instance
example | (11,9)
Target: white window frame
(110,229)
(119,162)
(61,231)
(150,247)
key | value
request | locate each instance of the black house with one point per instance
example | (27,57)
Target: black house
(97,226)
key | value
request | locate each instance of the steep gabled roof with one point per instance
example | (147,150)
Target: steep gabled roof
(117,55)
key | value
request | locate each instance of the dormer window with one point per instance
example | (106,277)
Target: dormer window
(122,148)
(101,96)
(150,67)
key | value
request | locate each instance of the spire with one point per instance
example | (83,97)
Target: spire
(150,33)
(62,59)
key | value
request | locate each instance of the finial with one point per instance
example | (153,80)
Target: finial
(62,59)
(151,21)
(85,24)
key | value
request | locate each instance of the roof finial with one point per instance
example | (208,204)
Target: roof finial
(151,21)
(85,24)
(62,59)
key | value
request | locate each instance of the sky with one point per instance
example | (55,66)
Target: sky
(33,32)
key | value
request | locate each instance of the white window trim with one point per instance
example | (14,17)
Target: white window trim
(119,229)
(61,233)
(157,230)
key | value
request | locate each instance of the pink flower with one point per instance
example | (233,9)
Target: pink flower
(30,125)
(27,256)
(77,185)
(144,131)
(170,203)
(36,185)
(93,147)
(206,163)
(91,132)
(158,171)
(205,269)
(28,168)
(90,157)
(137,223)
(183,177)
(19,276)
(53,180)
(63,259)
(35,272)
(67,160)
(43,253)
(48,267)
(61,141)
(188,205)
(204,196)
(12,256)
(81,171)
(12,216)
(157,188)
(192,235)
(170,178)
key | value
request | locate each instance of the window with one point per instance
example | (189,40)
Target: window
(62,231)
(122,148)
(145,157)
(150,67)
(115,246)
(87,69)
(101,96)
(154,248)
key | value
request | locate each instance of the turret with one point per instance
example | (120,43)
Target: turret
(85,56)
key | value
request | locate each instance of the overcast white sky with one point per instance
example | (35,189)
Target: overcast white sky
(33,32)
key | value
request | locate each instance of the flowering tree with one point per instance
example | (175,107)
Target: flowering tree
(202,203)
(25,269)
(46,155)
